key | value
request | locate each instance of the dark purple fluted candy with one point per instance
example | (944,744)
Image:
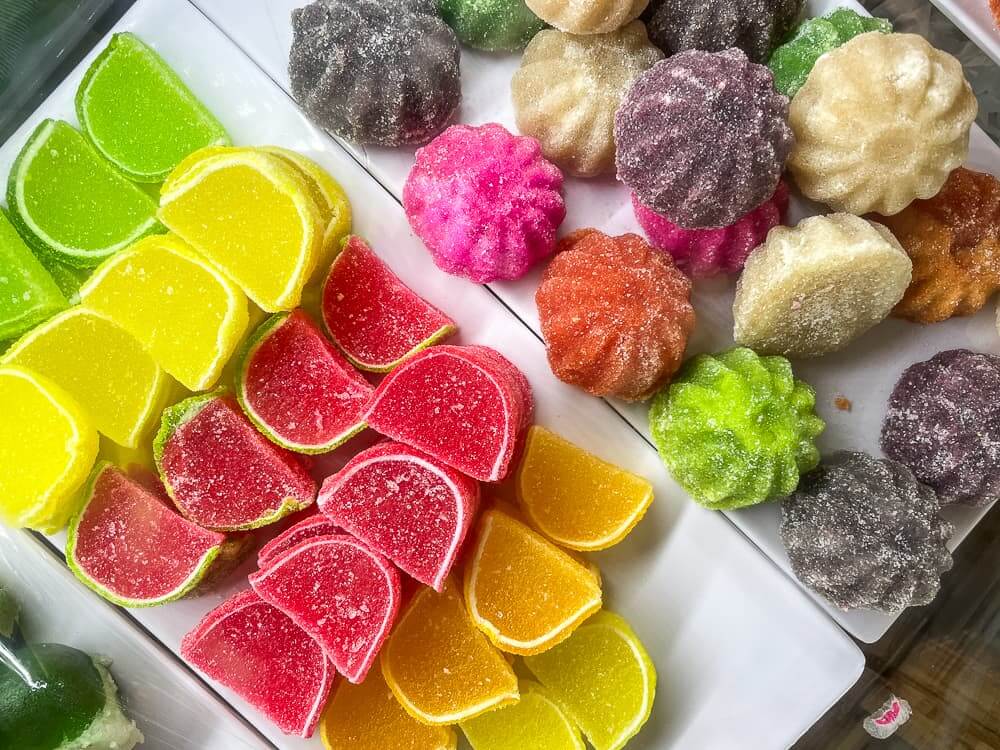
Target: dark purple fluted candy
(375,72)
(943,422)
(863,533)
(703,137)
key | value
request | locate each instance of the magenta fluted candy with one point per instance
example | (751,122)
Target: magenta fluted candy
(486,203)
(709,252)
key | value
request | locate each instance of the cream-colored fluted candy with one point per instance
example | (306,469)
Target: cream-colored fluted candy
(569,87)
(880,122)
(811,289)
(587,16)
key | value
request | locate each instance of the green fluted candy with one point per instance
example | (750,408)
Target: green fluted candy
(792,62)
(492,25)
(736,429)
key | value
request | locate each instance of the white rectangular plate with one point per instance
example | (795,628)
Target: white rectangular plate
(744,659)
(976,20)
(864,373)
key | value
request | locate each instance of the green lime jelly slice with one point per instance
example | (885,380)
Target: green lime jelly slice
(70,203)
(139,113)
(28,295)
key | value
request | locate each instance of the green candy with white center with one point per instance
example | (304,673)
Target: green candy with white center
(491,25)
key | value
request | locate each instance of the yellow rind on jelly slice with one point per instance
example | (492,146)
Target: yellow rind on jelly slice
(576,499)
(522,591)
(100,365)
(441,669)
(47,447)
(251,214)
(187,314)
(368,717)
(602,677)
(536,721)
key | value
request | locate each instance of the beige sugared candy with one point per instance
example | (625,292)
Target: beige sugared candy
(588,16)
(881,121)
(569,87)
(811,289)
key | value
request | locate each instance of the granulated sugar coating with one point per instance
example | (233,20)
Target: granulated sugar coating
(880,121)
(569,87)
(486,203)
(812,289)
(708,252)
(588,16)
(792,62)
(736,429)
(703,137)
(375,72)
(492,25)
(309,528)
(863,533)
(405,505)
(754,26)
(943,422)
(255,650)
(615,314)
(953,240)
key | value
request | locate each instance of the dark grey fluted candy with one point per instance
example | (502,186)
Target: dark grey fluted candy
(863,533)
(375,72)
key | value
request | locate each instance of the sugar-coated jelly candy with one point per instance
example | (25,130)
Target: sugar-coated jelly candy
(28,294)
(494,25)
(535,721)
(592,17)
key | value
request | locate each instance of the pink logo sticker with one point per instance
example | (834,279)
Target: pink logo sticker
(891,716)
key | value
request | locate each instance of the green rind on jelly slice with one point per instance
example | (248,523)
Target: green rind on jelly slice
(173,418)
(28,293)
(69,203)
(139,113)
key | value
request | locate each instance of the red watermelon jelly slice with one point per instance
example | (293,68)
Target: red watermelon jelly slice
(223,474)
(310,528)
(374,317)
(464,405)
(405,504)
(131,548)
(255,650)
(340,592)
(298,389)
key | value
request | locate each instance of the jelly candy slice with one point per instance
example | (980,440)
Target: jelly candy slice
(374,318)
(340,592)
(298,389)
(525,593)
(464,405)
(536,721)
(47,448)
(221,473)
(460,677)
(368,717)
(101,366)
(576,499)
(251,214)
(131,548)
(138,112)
(406,505)
(186,314)
(67,201)
(309,528)
(603,678)
(28,294)
(255,650)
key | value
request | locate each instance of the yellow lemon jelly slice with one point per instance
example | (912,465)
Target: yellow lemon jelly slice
(440,668)
(535,721)
(368,717)
(603,678)
(47,448)
(525,593)
(187,315)
(101,366)
(252,215)
(576,499)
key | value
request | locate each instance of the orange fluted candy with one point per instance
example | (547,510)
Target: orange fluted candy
(615,314)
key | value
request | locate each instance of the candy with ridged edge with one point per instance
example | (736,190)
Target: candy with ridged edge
(491,25)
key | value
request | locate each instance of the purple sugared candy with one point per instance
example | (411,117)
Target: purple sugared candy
(486,203)
(703,137)
(709,252)
(863,533)
(943,422)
